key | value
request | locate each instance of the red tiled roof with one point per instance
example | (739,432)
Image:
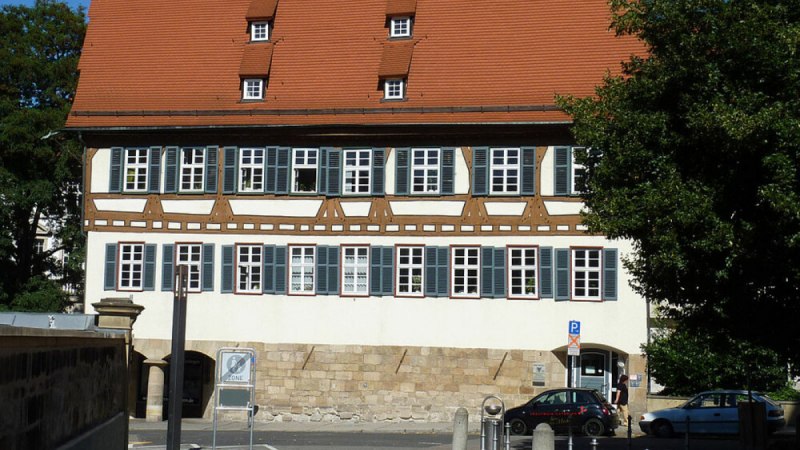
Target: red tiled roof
(396,59)
(261,9)
(401,7)
(256,59)
(177,62)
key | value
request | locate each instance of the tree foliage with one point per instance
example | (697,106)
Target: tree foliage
(699,161)
(40,166)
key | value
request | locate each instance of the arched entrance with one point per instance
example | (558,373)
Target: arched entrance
(598,368)
(198,384)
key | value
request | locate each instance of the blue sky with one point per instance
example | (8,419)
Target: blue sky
(72,3)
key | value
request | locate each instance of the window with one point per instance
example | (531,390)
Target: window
(253,89)
(586,274)
(410,271)
(259,31)
(355,270)
(394,89)
(38,246)
(248,268)
(304,170)
(505,171)
(302,270)
(131,267)
(136,162)
(466,267)
(251,170)
(357,164)
(522,269)
(190,255)
(425,170)
(192,169)
(400,27)
(578,172)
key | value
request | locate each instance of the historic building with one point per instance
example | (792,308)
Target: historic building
(379,196)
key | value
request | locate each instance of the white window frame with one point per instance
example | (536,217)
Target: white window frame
(304,159)
(519,260)
(259,31)
(251,169)
(253,89)
(190,254)
(39,245)
(302,264)
(504,176)
(410,272)
(192,173)
(394,89)
(357,173)
(400,26)
(578,171)
(249,260)
(355,270)
(468,283)
(137,163)
(587,273)
(425,171)
(130,270)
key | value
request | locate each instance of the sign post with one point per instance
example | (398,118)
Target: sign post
(573,346)
(234,385)
(175,411)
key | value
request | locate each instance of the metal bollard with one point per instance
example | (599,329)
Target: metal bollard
(593,444)
(508,436)
(630,433)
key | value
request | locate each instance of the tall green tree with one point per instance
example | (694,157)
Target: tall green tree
(40,166)
(698,163)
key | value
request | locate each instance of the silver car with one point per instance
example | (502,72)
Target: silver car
(710,412)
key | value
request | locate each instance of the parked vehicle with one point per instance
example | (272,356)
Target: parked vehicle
(585,410)
(710,412)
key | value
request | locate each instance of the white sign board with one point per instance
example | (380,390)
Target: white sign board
(235,367)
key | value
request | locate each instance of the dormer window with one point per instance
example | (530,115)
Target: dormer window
(400,27)
(253,89)
(394,89)
(259,31)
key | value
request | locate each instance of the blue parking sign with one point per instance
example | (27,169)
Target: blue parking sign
(574,327)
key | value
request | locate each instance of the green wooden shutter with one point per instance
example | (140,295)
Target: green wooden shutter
(322,171)
(282,170)
(321,269)
(487,272)
(431,273)
(333,270)
(167,267)
(378,171)
(280,269)
(154,169)
(562,274)
(230,161)
(443,271)
(528,172)
(375,270)
(171,168)
(499,286)
(227,269)
(207,275)
(149,281)
(110,276)
(334,175)
(115,177)
(402,171)
(387,268)
(610,274)
(546,272)
(212,152)
(270,170)
(268,270)
(447,172)
(480,171)
(562,165)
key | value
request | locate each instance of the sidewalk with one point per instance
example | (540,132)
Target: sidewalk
(328,427)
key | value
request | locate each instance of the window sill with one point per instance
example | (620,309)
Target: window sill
(394,100)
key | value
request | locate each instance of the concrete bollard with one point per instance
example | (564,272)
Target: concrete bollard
(460,425)
(543,438)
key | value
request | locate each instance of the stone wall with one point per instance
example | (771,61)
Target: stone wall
(58,385)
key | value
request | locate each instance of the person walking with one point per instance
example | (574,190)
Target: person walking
(622,400)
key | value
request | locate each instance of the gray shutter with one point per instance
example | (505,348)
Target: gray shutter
(110,276)
(227,269)
(431,273)
(333,270)
(115,177)
(280,269)
(562,274)
(207,273)
(499,286)
(282,170)
(375,270)
(167,267)
(387,268)
(321,269)
(528,172)
(443,271)
(378,172)
(334,175)
(212,152)
(402,171)
(561,164)
(546,272)
(149,281)
(268,270)
(154,179)
(322,171)
(487,271)
(230,161)
(447,172)
(171,170)
(270,169)
(480,171)
(610,274)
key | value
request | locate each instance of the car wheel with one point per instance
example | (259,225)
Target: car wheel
(662,429)
(518,427)
(594,427)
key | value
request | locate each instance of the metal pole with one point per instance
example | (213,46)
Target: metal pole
(508,436)
(214,430)
(483,432)
(252,421)
(176,360)
(630,433)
